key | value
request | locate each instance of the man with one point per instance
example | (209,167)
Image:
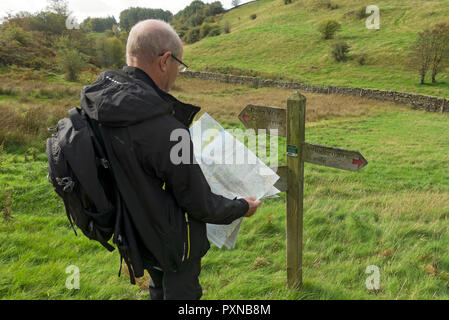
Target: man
(165,206)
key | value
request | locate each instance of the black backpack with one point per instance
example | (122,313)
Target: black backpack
(79,170)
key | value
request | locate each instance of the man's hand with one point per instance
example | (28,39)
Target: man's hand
(253,205)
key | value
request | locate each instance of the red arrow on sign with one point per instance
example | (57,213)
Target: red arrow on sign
(358,162)
(333,157)
(246,117)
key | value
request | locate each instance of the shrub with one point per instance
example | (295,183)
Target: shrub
(328,28)
(192,36)
(209,30)
(327,4)
(332,6)
(34,122)
(214,31)
(116,50)
(204,30)
(110,52)
(340,50)
(182,31)
(196,20)
(7,91)
(1,156)
(17,46)
(362,59)
(361,13)
(253,16)
(209,19)
(227,27)
(6,203)
(14,33)
(287,1)
(71,63)
(33,152)
(10,123)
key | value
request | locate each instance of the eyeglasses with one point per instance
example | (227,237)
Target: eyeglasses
(182,66)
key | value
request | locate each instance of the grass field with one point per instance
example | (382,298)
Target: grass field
(393,214)
(283,41)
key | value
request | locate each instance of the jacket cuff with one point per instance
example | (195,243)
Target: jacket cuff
(245,207)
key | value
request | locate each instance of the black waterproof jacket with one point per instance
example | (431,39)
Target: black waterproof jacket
(165,206)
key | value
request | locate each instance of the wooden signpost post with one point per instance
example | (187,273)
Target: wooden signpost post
(290,122)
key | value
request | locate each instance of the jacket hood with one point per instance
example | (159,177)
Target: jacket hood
(120,98)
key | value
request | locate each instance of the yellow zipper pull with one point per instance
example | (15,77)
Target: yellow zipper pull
(188,235)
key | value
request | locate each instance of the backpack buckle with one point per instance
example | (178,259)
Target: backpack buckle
(67,183)
(105,163)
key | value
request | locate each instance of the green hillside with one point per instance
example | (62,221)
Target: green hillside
(284,41)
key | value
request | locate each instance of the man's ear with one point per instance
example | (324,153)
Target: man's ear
(163,62)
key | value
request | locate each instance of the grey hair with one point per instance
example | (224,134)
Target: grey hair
(150,38)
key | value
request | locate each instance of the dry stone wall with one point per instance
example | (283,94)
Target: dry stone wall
(417,101)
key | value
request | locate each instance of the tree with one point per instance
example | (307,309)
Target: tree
(116,51)
(110,52)
(328,28)
(71,63)
(196,14)
(99,25)
(421,52)
(439,49)
(213,9)
(196,20)
(50,23)
(131,16)
(60,7)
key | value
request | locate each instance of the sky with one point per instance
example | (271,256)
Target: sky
(100,8)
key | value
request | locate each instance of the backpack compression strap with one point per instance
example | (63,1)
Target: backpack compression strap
(76,119)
